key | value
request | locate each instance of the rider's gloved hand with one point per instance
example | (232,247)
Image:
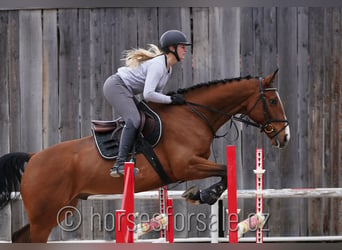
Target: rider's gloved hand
(178,99)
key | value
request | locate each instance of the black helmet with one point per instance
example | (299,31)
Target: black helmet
(172,38)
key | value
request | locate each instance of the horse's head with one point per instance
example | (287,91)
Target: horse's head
(267,110)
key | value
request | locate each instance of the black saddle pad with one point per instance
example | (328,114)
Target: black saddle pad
(107,141)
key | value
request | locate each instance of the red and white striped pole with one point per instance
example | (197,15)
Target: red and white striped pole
(166,208)
(259,185)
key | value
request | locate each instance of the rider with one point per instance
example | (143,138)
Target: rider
(146,72)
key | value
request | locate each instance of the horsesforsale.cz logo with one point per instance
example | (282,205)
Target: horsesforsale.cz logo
(69,219)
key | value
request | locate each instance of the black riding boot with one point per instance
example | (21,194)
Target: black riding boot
(127,140)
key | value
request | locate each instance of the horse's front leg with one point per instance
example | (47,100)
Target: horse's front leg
(203,168)
(206,196)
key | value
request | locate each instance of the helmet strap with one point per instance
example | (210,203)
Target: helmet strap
(175,53)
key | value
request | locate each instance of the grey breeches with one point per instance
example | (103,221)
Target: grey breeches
(121,99)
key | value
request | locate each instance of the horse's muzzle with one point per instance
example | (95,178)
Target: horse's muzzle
(282,139)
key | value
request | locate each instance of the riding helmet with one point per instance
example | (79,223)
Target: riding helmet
(172,38)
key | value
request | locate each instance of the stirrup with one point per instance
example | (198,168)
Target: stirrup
(116,171)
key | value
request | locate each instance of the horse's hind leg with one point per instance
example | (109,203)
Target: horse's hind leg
(22,235)
(41,229)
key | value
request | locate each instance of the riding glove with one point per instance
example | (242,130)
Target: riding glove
(178,99)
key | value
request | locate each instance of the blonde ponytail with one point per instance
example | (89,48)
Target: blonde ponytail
(135,57)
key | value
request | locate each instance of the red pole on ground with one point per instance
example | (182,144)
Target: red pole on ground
(232,194)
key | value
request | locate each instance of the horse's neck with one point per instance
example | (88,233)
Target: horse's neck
(229,98)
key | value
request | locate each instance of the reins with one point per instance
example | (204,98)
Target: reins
(192,106)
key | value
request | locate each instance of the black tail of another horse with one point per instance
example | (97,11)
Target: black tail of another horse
(12,167)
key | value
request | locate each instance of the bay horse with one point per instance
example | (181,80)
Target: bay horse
(60,175)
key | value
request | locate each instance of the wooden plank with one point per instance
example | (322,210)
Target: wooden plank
(13,78)
(84,81)
(303,113)
(50,78)
(18,215)
(68,75)
(337,104)
(4,84)
(168,19)
(331,112)
(30,62)
(5,224)
(96,55)
(101,61)
(200,45)
(109,208)
(85,69)
(147,21)
(288,89)
(316,77)
(107,64)
(5,213)
(187,64)
(96,223)
(327,133)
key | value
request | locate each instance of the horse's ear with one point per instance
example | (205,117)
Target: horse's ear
(270,78)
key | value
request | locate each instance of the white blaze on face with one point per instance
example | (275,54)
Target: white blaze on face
(287,129)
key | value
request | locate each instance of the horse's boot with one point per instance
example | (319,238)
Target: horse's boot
(128,136)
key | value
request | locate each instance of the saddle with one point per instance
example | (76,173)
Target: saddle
(107,134)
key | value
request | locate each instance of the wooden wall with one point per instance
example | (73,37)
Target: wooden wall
(54,62)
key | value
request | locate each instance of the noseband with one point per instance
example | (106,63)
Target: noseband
(267,127)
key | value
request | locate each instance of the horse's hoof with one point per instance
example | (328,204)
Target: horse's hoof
(192,195)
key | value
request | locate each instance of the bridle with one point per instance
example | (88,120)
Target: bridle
(266,127)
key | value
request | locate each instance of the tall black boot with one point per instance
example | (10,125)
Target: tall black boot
(127,140)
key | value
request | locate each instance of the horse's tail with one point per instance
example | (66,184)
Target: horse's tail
(12,167)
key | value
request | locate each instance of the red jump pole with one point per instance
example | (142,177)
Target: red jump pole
(169,230)
(232,194)
(120,226)
(125,216)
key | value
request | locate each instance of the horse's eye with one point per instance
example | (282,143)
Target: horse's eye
(273,101)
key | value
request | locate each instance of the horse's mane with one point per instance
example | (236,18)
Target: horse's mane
(210,83)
